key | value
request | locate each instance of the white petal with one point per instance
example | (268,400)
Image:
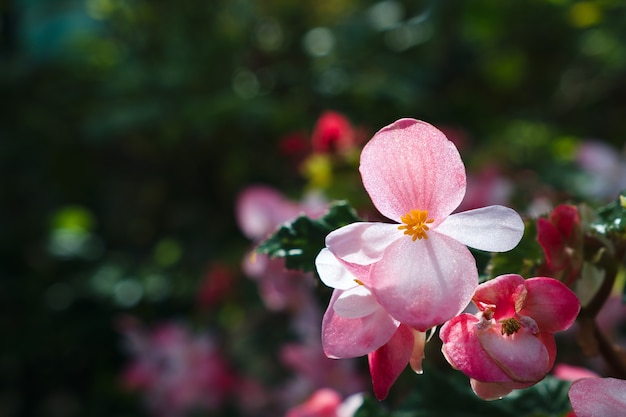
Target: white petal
(362,243)
(355,303)
(332,272)
(492,228)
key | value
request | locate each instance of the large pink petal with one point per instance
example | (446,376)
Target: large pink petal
(551,304)
(387,362)
(463,350)
(362,243)
(598,397)
(426,282)
(521,355)
(493,228)
(506,292)
(411,165)
(350,338)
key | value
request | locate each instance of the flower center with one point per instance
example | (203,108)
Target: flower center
(415,224)
(510,326)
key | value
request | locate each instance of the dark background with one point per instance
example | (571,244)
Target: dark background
(127,128)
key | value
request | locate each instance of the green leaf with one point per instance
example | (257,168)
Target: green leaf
(522,260)
(448,393)
(612,217)
(301,240)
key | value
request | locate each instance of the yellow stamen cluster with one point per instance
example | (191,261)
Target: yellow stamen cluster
(415,224)
(510,326)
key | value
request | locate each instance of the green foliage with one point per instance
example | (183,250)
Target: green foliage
(437,393)
(300,241)
(611,219)
(522,260)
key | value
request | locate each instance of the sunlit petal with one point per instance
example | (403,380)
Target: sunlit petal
(332,272)
(355,303)
(426,282)
(493,228)
(412,165)
(349,338)
(362,243)
(551,304)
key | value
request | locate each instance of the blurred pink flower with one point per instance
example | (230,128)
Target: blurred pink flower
(561,238)
(509,344)
(606,168)
(420,271)
(260,211)
(178,372)
(355,324)
(572,373)
(326,402)
(313,370)
(333,132)
(598,397)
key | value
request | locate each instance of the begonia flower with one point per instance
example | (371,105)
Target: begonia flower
(509,344)
(561,238)
(598,397)
(419,268)
(355,324)
(260,210)
(176,370)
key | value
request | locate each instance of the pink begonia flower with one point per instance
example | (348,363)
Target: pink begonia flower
(509,344)
(355,324)
(419,269)
(332,133)
(326,402)
(177,371)
(260,211)
(561,238)
(598,397)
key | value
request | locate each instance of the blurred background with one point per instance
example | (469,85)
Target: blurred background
(128,129)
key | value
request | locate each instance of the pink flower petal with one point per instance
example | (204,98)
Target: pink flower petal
(495,390)
(464,352)
(493,228)
(551,304)
(520,355)
(418,351)
(355,303)
(426,282)
(387,362)
(332,272)
(598,397)
(412,165)
(506,292)
(350,338)
(362,243)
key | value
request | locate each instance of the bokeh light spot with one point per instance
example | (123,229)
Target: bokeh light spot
(319,42)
